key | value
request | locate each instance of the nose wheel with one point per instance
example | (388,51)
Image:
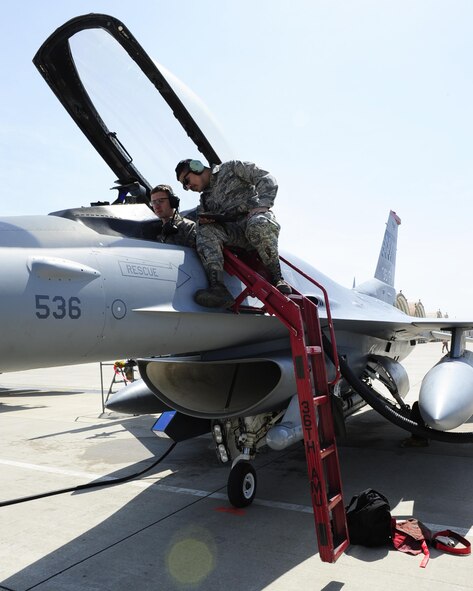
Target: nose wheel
(241,484)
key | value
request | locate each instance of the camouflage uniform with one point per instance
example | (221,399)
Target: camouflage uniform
(186,232)
(235,188)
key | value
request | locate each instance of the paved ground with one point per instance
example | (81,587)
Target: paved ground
(174,530)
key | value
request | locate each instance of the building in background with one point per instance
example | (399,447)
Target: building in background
(416,308)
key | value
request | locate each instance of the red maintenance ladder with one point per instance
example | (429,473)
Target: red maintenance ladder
(300,315)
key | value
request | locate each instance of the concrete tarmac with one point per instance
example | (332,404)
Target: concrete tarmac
(173,528)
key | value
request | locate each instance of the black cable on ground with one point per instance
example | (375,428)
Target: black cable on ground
(389,412)
(89,484)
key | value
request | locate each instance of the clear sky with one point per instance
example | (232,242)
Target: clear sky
(356,106)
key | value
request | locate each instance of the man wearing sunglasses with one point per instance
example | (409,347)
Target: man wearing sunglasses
(173,229)
(234,210)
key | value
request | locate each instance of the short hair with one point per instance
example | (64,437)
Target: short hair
(182,166)
(163,189)
(173,198)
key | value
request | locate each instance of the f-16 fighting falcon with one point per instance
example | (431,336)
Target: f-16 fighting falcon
(85,284)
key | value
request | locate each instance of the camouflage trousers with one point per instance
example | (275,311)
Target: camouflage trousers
(260,232)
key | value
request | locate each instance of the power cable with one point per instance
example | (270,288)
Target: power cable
(89,484)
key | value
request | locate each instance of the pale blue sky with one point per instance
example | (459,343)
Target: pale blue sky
(356,106)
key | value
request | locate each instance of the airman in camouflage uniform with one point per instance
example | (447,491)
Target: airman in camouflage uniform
(174,229)
(241,194)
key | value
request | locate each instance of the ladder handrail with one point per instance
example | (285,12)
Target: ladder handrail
(336,362)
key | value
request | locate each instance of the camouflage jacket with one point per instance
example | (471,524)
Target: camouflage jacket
(236,187)
(185,235)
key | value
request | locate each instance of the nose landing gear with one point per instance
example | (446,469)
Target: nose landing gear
(241,484)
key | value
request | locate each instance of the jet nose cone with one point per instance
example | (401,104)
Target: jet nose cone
(446,395)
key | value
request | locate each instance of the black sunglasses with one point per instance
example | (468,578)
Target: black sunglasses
(185,182)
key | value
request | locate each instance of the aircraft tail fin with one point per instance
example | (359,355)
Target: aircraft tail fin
(385,270)
(382,285)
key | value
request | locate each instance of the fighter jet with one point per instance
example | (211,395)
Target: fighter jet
(88,284)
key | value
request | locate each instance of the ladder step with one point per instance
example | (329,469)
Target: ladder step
(313,350)
(318,400)
(333,501)
(339,550)
(327,451)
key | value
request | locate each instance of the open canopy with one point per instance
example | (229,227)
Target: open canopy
(94,64)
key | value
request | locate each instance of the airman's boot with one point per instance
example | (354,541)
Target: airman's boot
(277,280)
(217,296)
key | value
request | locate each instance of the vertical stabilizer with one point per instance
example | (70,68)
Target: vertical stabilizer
(382,285)
(386,267)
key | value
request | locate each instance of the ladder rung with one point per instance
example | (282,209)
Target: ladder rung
(327,451)
(318,400)
(313,350)
(339,550)
(333,501)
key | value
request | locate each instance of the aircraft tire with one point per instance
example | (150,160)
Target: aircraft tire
(241,484)
(389,412)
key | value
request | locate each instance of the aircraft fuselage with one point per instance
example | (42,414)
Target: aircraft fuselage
(71,295)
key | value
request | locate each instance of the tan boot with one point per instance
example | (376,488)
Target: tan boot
(217,295)
(283,286)
(277,280)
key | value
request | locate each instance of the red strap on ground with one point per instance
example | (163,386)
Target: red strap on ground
(425,550)
(451,549)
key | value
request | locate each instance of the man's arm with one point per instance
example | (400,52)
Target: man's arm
(187,230)
(264,182)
